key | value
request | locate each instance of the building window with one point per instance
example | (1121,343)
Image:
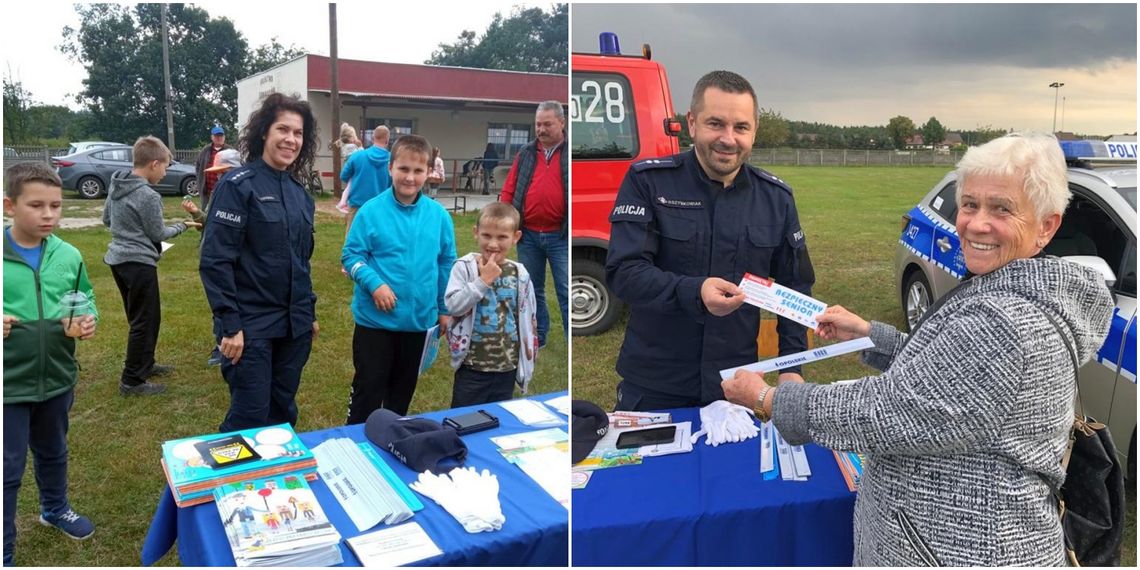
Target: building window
(398,128)
(508,139)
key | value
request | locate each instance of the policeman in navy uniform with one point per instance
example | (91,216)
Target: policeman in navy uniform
(255,265)
(685,229)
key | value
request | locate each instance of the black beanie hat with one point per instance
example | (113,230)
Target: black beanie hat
(419,443)
(588,424)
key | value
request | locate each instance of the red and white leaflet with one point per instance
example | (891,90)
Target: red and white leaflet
(785,302)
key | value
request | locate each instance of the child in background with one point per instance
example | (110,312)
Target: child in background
(134,213)
(492,336)
(348,143)
(40,370)
(399,251)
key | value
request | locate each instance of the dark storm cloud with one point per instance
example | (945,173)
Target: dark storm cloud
(841,35)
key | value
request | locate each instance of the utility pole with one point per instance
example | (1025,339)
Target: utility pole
(335,98)
(166,79)
(1057,86)
(1062,113)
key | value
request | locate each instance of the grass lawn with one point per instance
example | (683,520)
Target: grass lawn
(115,477)
(851,217)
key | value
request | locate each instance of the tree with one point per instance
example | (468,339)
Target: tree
(899,129)
(528,40)
(121,48)
(933,132)
(17,100)
(772,130)
(982,135)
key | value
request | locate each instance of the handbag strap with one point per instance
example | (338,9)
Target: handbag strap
(1080,421)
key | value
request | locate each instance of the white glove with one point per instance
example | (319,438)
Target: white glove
(471,498)
(724,421)
(442,490)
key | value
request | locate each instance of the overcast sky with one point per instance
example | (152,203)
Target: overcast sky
(396,32)
(852,64)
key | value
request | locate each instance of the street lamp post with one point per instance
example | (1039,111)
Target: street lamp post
(1062,113)
(1057,86)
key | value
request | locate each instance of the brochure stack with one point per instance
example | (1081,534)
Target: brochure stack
(195,466)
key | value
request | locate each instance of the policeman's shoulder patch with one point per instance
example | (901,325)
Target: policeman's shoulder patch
(653,163)
(769,177)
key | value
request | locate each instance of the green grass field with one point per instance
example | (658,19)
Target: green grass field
(115,477)
(852,220)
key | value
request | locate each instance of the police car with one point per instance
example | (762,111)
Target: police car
(1100,222)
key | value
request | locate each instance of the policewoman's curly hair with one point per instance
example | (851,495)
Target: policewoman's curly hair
(251,144)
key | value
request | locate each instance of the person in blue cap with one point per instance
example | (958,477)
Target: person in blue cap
(685,229)
(256,247)
(207,180)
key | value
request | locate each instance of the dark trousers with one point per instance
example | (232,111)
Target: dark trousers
(138,285)
(631,398)
(264,383)
(473,387)
(43,427)
(387,367)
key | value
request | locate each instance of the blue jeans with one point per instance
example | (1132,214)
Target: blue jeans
(43,427)
(535,249)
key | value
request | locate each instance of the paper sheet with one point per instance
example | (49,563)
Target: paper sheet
(395,546)
(531,413)
(560,404)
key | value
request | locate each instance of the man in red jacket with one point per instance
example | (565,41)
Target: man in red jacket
(536,187)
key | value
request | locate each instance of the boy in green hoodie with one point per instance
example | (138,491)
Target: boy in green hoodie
(40,370)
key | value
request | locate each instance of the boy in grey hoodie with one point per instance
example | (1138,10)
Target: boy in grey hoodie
(134,213)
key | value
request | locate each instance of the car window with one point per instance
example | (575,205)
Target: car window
(1126,280)
(117,154)
(946,204)
(1088,229)
(602,123)
(1129,195)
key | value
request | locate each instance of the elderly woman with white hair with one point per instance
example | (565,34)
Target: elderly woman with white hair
(964,431)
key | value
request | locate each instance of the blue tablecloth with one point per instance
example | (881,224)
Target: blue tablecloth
(535,533)
(712,507)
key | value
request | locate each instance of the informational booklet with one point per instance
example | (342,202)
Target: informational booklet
(544,455)
(278,450)
(431,349)
(394,546)
(785,302)
(276,521)
(813,355)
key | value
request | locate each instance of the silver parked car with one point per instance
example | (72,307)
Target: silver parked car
(90,171)
(1101,222)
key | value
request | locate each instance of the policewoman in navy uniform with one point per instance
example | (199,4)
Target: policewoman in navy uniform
(685,229)
(254,265)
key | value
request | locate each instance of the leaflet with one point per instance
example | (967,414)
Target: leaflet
(813,355)
(531,413)
(395,546)
(788,467)
(766,463)
(785,302)
(560,404)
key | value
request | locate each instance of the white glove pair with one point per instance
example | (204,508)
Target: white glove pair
(724,422)
(472,498)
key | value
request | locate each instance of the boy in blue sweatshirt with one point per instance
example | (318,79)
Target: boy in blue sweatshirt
(399,253)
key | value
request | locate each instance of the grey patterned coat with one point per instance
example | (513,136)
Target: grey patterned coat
(963,433)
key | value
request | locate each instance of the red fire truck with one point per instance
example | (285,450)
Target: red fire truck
(621,111)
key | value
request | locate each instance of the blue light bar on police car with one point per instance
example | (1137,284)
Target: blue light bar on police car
(1099,151)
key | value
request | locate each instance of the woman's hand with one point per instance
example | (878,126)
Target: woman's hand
(743,388)
(837,323)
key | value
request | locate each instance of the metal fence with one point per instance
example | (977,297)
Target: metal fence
(845,157)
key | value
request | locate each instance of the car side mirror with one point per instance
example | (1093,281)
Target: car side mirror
(1096,263)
